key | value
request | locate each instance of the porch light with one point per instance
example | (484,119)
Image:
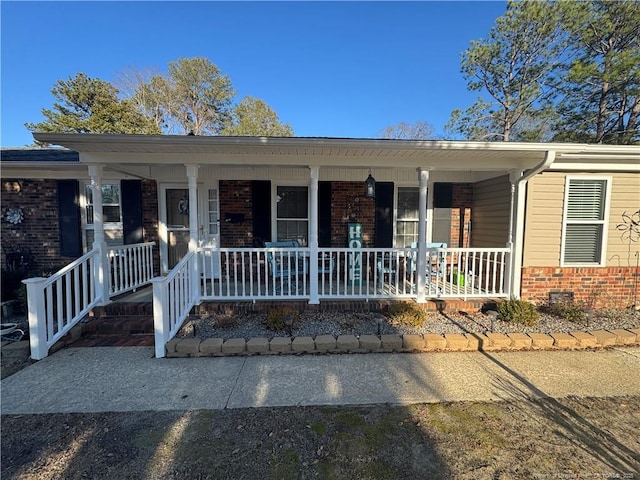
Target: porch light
(370,186)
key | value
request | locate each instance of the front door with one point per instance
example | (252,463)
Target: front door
(176,221)
(174,226)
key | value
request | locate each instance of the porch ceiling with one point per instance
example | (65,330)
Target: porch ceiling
(358,153)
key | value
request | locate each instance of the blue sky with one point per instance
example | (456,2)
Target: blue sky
(329,69)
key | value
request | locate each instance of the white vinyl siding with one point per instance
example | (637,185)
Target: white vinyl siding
(585,220)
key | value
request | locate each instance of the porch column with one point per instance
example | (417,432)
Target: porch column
(421,262)
(101,271)
(513,178)
(192,179)
(313,235)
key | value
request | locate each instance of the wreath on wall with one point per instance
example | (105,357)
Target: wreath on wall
(14,215)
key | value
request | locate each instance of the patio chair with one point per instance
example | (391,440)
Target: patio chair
(436,261)
(286,267)
(387,268)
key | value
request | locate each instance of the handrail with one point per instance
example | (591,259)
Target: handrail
(57,303)
(173,299)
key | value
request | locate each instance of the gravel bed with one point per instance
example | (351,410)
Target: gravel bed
(312,324)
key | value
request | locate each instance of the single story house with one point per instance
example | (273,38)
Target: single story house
(252,218)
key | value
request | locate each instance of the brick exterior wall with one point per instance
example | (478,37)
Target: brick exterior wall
(461,205)
(38,233)
(599,287)
(349,205)
(235,198)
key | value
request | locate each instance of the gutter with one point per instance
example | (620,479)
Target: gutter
(516,222)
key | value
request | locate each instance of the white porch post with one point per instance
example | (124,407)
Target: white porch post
(101,269)
(192,178)
(313,235)
(421,261)
(513,178)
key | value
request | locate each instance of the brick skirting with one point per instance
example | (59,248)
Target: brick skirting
(597,287)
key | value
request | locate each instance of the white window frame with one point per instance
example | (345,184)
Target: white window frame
(274,207)
(604,222)
(396,203)
(108,226)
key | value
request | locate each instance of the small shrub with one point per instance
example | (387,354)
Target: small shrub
(408,314)
(277,318)
(568,311)
(518,311)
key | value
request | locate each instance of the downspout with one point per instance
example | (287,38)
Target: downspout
(516,222)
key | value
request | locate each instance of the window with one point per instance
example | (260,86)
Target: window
(110,203)
(585,215)
(407,216)
(111,214)
(292,214)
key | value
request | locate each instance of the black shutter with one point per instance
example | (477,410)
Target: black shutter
(442,195)
(324,214)
(69,218)
(384,215)
(261,211)
(131,198)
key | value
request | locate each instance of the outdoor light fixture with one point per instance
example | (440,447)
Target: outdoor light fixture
(370,186)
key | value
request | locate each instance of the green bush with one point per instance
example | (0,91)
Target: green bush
(277,318)
(568,311)
(518,311)
(408,314)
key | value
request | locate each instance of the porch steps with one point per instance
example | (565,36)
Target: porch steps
(117,324)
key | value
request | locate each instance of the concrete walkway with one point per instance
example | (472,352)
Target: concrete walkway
(130,379)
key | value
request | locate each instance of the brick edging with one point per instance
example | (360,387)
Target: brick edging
(429,342)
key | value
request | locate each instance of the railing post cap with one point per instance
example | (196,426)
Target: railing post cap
(27,281)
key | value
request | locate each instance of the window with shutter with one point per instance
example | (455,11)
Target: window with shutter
(584,222)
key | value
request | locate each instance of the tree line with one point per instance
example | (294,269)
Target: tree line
(194,97)
(548,71)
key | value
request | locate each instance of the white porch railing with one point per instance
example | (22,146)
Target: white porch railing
(173,298)
(57,303)
(473,273)
(131,267)
(343,273)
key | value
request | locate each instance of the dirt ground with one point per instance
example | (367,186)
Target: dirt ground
(566,438)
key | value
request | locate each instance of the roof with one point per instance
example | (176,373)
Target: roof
(340,152)
(38,154)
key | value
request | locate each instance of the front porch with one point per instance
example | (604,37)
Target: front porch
(56,304)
